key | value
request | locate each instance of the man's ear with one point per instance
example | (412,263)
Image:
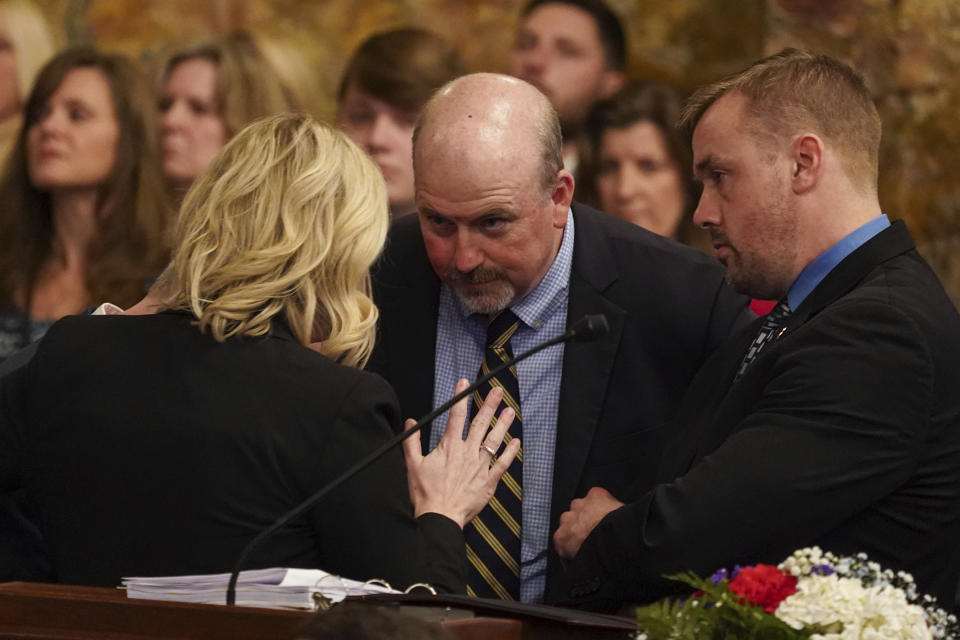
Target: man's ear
(807,153)
(611,82)
(562,197)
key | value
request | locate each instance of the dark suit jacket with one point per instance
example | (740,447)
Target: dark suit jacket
(145,447)
(668,309)
(23,556)
(844,433)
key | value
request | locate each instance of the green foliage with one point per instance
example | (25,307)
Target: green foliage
(713,615)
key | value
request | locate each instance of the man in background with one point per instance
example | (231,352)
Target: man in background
(575,52)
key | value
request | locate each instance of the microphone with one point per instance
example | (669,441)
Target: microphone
(588,328)
(585,329)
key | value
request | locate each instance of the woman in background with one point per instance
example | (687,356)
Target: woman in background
(208,92)
(162,441)
(636,166)
(82,213)
(385,85)
(25,46)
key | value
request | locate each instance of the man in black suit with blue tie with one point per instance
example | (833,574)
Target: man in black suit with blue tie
(837,422)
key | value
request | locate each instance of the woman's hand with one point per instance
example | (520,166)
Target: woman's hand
(459,476)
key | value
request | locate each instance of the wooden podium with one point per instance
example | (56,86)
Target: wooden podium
(65,612)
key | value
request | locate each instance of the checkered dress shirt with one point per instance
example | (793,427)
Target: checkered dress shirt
(461,338)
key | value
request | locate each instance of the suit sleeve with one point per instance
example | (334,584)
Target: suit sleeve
(12,397)
(838,425)
(367,529)
(23,554)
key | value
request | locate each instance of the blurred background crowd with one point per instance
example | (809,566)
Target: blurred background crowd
(110,108)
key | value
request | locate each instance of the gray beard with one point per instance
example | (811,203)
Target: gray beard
(496,300)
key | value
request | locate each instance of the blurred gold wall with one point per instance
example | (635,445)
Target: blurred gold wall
(907,49)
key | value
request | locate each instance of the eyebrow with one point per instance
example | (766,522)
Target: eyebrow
(568,41)
(496,212)
(704,164)
(79,103)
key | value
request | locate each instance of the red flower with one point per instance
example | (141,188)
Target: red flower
(764,586)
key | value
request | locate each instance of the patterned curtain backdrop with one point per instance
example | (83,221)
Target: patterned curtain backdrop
(907,49)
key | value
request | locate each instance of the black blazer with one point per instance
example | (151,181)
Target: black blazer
(844,433)
(145,447)
(668,309)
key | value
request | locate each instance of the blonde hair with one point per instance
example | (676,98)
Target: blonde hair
(284,224)
(25,27)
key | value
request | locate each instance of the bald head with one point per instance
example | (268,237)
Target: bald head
(485,122)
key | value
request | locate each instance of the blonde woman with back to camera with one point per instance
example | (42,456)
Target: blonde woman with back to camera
(162,443)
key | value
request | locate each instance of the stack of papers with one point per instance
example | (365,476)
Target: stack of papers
(271,588)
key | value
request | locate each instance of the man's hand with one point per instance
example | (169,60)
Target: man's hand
(585,513)
(457,478)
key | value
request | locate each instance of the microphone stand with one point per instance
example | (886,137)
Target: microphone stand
(587,328)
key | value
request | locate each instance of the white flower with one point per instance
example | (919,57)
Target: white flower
(802,561)
(844,610)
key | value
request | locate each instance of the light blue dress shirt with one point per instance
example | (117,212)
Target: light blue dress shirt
(817,270)
(461,337)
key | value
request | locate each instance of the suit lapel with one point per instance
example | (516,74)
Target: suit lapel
(586,365)
(409,290)
(887,244)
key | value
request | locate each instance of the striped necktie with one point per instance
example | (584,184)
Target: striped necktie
(493,537)
(774,324)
